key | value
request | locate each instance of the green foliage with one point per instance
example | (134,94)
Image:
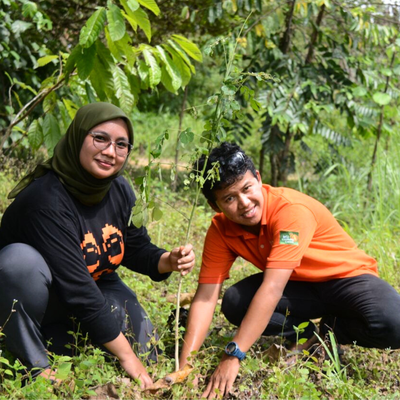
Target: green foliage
(106,64)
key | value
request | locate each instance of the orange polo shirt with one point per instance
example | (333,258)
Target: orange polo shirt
(297,232)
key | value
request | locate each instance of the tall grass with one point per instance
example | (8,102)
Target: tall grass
(371,218)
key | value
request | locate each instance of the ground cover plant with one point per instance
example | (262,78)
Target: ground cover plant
(373,220)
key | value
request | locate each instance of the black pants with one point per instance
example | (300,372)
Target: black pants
(40,322)
(364,310)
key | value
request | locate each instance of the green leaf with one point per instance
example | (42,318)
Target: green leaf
(381,98)
(114,49)
(94,25)
(35,135)
(131,21)
(359,91)
(182,67)
(18,27)
(85,62)
(396,69)
(176,79)
(125,49)
(51,132)
(49,102)
(154,68)
(45,60)
(141,18)
(134,83)
(186,136)
(22,84)
(151,5)
(144,74)
(132,4)
(157,213)
(29,9)
(184,56)
(89,92)
(303,325)
(71,61)
(190,48)
(386,71)
(129,10)
(116,22)
(122,89)
(166,80)
(71,107)
(63,370)
(137,220)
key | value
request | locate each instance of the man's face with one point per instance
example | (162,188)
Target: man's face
(243,201)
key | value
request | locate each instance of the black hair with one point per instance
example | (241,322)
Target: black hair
(233,163)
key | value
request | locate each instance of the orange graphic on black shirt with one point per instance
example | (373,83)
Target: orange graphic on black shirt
(91,252)
(113,244)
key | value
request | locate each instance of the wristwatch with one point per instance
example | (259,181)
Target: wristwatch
(232,349)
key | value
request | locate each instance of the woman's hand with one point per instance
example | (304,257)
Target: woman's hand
(121,348)
(137,371)
(181,259)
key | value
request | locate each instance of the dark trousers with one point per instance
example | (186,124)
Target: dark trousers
(41,323)
(364,310)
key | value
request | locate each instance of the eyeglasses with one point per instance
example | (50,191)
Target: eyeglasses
(102,141)
(235,160)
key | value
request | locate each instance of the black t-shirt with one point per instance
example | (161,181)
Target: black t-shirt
(81,244)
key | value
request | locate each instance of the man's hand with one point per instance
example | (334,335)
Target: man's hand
(181,259)
(223,377)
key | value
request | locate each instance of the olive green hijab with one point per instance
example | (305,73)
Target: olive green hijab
(65,161)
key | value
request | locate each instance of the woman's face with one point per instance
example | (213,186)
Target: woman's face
(104,163)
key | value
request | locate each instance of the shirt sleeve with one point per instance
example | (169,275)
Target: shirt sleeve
(141,255)
(217,258)
(54,235)
(292,229)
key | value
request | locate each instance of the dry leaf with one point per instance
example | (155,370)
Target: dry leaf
(274,352)
(104,392)
(171,379)
(186,298)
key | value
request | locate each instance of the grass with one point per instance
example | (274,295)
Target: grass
(372,219)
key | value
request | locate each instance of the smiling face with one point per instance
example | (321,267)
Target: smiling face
(241,202)
(104,163)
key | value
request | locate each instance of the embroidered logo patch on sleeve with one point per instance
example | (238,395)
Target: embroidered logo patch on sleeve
(286,237)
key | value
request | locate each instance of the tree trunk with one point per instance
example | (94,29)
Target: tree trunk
(314,35)
(285,42)
(261,161)
(284,158)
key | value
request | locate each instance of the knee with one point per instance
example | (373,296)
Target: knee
(231,306)
(22,264)
(389,330)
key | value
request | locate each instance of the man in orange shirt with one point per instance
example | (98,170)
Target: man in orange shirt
(311,268)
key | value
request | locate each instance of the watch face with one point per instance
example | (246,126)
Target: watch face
(231,347)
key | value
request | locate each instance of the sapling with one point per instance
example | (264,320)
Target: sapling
(226,108)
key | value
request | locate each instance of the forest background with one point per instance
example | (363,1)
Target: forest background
(308,88)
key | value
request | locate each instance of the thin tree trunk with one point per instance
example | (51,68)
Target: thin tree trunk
(273,158)
(314,35)
(261,161)
(284,158)
(285,42)
(379,132)
(181,116)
